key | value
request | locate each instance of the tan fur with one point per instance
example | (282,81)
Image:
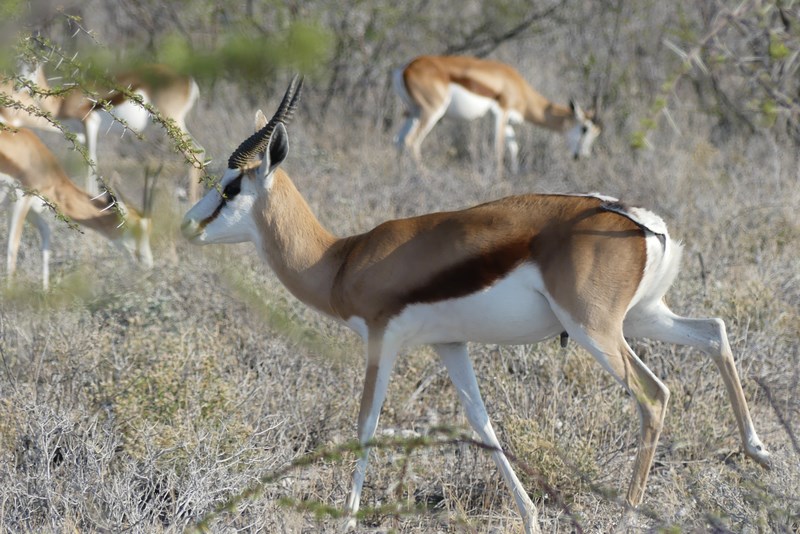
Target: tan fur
(27,162)
(167,91)
(585,254)
(426,84)
(26,159)
(301,252)
(427,78)
(592,256)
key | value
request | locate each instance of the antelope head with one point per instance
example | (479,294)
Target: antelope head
(135,231)
(224,214)
(582,135)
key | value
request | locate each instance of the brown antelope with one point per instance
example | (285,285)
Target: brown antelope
(31,177)
(467,88)
(171,94)
(517,270)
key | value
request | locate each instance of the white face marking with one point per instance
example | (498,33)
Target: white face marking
(215,219)
(581,137)
(514,310)
(467,105)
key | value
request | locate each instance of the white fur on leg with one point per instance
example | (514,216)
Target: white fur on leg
(456,360)
(381,355)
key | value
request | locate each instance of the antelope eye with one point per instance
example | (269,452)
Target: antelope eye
(233,188)
(584,128)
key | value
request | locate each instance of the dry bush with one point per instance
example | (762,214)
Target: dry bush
(144,401)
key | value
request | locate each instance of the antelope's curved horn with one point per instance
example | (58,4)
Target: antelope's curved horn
(257,143)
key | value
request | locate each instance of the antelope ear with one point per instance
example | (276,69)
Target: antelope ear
(261,120)
(577,111)
(276,152)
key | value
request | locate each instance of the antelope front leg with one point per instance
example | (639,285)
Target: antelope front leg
(91,128)
(380,361)
(456,360)
(501,122)
(16,221)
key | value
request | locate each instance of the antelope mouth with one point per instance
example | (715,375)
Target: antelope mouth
(192,231)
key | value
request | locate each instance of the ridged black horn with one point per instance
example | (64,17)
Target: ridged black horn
(257,143)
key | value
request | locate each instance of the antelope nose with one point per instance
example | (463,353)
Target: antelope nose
(190,228)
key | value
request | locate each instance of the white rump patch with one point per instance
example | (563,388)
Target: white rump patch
(644,218)
(663,262)
(399,85)
(598,196)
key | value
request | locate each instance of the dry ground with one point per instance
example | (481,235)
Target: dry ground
(137,402)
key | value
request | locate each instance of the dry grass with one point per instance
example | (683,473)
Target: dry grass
(139,402)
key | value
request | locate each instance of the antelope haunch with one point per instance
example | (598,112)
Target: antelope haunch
(27,164)
(467,88)
(517,270)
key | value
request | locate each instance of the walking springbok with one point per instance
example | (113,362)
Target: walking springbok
(26,167)
(467,88)
(172,94)
(517,270)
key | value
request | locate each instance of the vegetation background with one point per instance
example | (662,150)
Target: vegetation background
(145,401)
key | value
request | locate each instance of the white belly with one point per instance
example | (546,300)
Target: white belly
(467,105)
(513,311)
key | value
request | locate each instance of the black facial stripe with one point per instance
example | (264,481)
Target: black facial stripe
(208,220)
(231,190)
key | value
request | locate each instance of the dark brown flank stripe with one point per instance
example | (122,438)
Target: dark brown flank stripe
(472,275)
(474,87)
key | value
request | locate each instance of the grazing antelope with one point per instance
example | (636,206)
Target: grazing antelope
(517,270)
(172,94)
(467,88)
(27,164)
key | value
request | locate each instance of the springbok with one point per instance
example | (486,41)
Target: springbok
(517,270)
(467,88)
(172,94)
(31,177)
